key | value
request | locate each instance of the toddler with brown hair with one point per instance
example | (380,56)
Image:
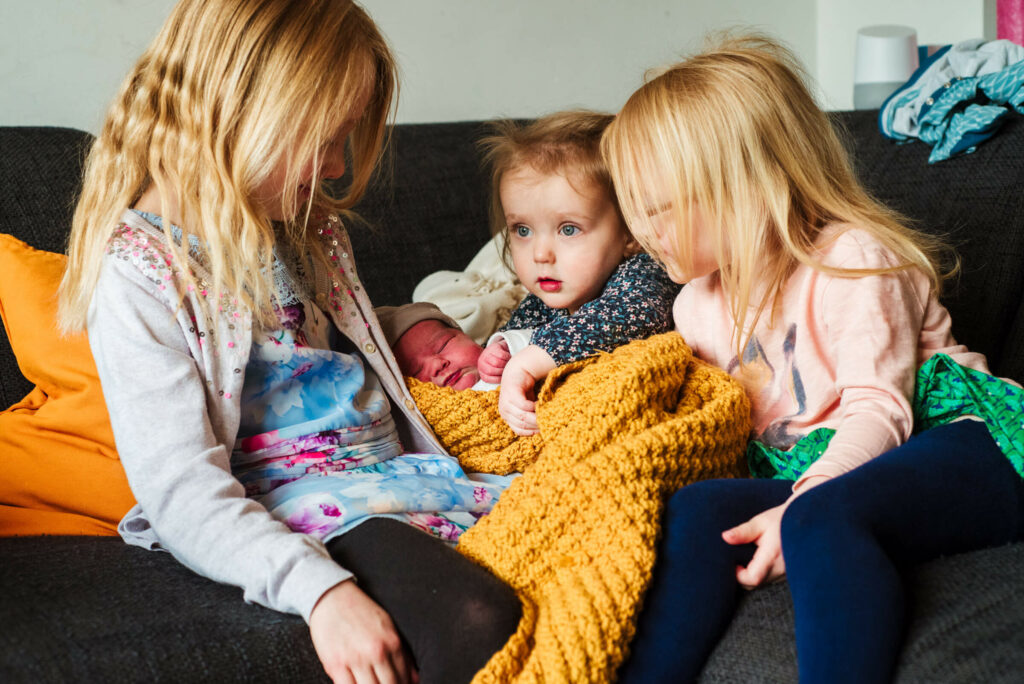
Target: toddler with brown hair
(591,288)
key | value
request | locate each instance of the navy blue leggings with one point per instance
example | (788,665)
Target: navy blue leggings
(846,544)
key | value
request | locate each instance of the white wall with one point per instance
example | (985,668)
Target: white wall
(471,59)
(61,61)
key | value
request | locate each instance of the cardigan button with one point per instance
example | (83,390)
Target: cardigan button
(321,297)
(370,347)
(410,404)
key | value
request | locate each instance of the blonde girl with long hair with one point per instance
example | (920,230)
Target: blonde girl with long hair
(241,360)
(869,454)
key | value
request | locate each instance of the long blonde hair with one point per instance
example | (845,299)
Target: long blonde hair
(566,143)
(229,91)
(735,131)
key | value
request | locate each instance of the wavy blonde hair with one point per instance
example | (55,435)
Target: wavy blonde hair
(735,131)
(566,143)
(227,93)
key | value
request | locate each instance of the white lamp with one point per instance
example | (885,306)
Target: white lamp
(886,56)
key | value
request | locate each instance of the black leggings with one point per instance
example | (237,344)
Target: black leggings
(452,614)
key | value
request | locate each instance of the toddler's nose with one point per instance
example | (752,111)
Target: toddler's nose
(542,252)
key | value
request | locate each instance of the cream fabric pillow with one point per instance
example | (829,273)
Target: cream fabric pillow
(481,298)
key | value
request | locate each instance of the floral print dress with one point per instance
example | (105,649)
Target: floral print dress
(317,445)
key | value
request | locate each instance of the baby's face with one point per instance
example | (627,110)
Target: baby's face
(433,352)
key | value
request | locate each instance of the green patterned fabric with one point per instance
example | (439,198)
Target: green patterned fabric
(944,391)
(771,463)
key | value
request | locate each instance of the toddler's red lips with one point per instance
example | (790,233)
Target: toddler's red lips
(549,284)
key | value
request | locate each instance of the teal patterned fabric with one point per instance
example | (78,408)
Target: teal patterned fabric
(970,110)
(944,391)
(956,116)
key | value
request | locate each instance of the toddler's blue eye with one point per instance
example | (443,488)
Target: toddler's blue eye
(569,230)
(521,231)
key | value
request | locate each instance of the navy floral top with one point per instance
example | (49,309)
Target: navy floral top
(636,303)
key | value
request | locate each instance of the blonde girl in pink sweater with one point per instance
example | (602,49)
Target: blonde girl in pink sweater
(871,450)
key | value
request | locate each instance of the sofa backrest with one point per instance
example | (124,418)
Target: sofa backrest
(40,175)
(430,213)
(977,203)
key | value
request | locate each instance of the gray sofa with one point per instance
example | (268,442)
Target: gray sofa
(95,610)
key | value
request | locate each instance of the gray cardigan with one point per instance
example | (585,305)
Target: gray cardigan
(172,379)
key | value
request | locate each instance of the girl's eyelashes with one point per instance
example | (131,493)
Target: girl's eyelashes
(569,229)
(657,209)
(321,151)
(339,137)
(521,230)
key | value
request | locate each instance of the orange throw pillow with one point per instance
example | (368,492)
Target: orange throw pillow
(59,470)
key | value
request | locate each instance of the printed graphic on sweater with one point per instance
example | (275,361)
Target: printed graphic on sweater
(771,390)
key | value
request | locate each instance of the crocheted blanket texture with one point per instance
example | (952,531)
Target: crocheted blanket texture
(576,535)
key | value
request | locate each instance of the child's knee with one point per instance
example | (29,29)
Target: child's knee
(490,618)
(821,513)
(800,517)
(701,499)
(696,515)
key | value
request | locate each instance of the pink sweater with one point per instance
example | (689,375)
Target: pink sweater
(842,353)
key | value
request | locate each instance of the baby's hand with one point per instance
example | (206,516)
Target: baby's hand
(492,361)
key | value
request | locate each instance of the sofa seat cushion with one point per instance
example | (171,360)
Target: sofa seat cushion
(964,627)
(96,609)
(93,609)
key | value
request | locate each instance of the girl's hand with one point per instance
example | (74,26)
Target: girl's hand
(515,401)
(356,640)
(493,360)
(764,529)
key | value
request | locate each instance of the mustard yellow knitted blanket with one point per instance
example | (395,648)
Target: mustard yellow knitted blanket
(576,535)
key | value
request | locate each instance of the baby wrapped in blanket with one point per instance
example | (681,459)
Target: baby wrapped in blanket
(575,535)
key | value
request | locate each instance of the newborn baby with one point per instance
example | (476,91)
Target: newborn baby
(431,347)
